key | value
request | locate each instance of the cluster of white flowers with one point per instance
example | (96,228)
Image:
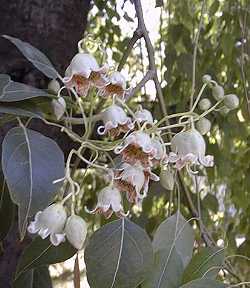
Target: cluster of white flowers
(140,149)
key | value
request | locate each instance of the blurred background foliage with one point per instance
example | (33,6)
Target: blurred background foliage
(223,52)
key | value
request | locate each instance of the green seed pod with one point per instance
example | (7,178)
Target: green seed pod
(218,92)
(204,104)
(203,126)
(231,101)
(76,231)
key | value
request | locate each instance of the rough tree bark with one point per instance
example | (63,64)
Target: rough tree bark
(54,27)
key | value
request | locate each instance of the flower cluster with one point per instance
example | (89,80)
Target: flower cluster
(139,146)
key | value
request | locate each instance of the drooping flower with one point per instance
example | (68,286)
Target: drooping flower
(50,221)
(144,116)
(116,86)
(189,147)
(109,201)
(83,72)
(134,181)
(139,148)
(115,121)
(76,231)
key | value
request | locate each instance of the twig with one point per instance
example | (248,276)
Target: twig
(196,41)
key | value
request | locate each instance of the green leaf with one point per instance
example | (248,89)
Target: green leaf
(31,162)
(25,280)
(24,109)
(41,252)
(176,231)
(205,264)
(7,209)
(36,57)
(204,283)
(11,91)
(118,255)
(41,278)
(173,247)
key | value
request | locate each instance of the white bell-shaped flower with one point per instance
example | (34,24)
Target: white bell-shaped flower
(115,121)
(83,72)
(144,116)
(189,147)
(108,201)
(134,181)
(50,221)
(159,151)
(137,148)
(116,86)
(59,107)
(76,231)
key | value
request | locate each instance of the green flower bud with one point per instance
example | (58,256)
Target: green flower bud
(76,231)
(59,107)
(231,101)
(206,78)
(203,126)
(218,92)
(167,179)
(54,86)
(204,104)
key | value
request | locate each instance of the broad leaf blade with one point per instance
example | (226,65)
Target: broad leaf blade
(41,278)
(118,255)
(7,209)
(36,57)
(31,162)
(11,91)
(205,264)
(173,246)
(175,230)
(25,280)
(41,252)
(204,283)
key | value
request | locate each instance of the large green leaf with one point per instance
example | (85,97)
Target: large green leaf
(25,109)
(205,264)
(36,57)
(173,246)
(31,162)
(6,209)
(41,252)
(25,280)
(118,255)
(11,91)
(204,283)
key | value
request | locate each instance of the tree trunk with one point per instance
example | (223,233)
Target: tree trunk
(54,27)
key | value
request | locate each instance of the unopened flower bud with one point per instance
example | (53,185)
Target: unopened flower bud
(54,86)
(204,104)
(218,92)
(76,231)
(167,179)
(203,126)
(206,78)
(231,101)
(224,110)
(59,107)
